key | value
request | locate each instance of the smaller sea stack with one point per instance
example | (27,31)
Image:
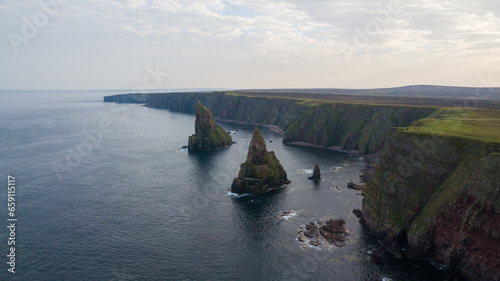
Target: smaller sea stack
(316,176)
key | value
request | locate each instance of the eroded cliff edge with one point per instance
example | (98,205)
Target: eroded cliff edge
(438,197)
(355,127)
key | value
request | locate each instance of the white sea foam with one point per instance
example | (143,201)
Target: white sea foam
(236,195)
(289,216)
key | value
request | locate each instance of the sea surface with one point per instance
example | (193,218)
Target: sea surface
(105,193)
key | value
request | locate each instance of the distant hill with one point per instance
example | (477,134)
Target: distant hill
(417,91)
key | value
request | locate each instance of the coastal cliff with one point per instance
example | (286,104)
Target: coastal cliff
(361,128)
(208,135)
(354,127)
(435,192)
(127,98)
(232,107)
(438,197)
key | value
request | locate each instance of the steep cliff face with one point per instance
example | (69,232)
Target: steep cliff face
(347,126)
(351,127)
(226,106)
(261,171)
(208,135)
(127,98)
(439,196)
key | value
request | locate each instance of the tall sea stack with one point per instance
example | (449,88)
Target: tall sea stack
(261,171)
(208,135)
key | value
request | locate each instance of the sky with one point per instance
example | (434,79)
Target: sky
(167,44)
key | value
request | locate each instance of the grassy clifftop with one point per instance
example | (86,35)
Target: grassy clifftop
(476,124)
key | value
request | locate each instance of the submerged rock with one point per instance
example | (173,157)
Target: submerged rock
(261,171)
(286,215)
(208,135)
(351,185)
(359,214)
(316,176)
(333,231)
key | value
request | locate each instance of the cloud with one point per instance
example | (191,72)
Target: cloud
(119,37)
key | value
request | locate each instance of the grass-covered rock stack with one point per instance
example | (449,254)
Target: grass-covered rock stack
(261,172)
(208,135)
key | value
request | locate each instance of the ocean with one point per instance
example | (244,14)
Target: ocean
(104,192)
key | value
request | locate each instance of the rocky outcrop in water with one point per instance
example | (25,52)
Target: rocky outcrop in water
(261,171)
(316,176)
(208,135)
(333,231)
(354,186)
(438,197)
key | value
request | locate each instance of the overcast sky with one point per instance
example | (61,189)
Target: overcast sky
(248,44)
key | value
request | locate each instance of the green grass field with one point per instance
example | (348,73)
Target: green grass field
(450,118)
(477,124)
(317,98)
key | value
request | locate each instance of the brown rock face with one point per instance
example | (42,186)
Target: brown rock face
(208,135)
(443,204)
(333,231)
(257,151)
(261,171)
(473,246)
(316,176)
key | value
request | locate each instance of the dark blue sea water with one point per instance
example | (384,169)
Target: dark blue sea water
(104,193)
